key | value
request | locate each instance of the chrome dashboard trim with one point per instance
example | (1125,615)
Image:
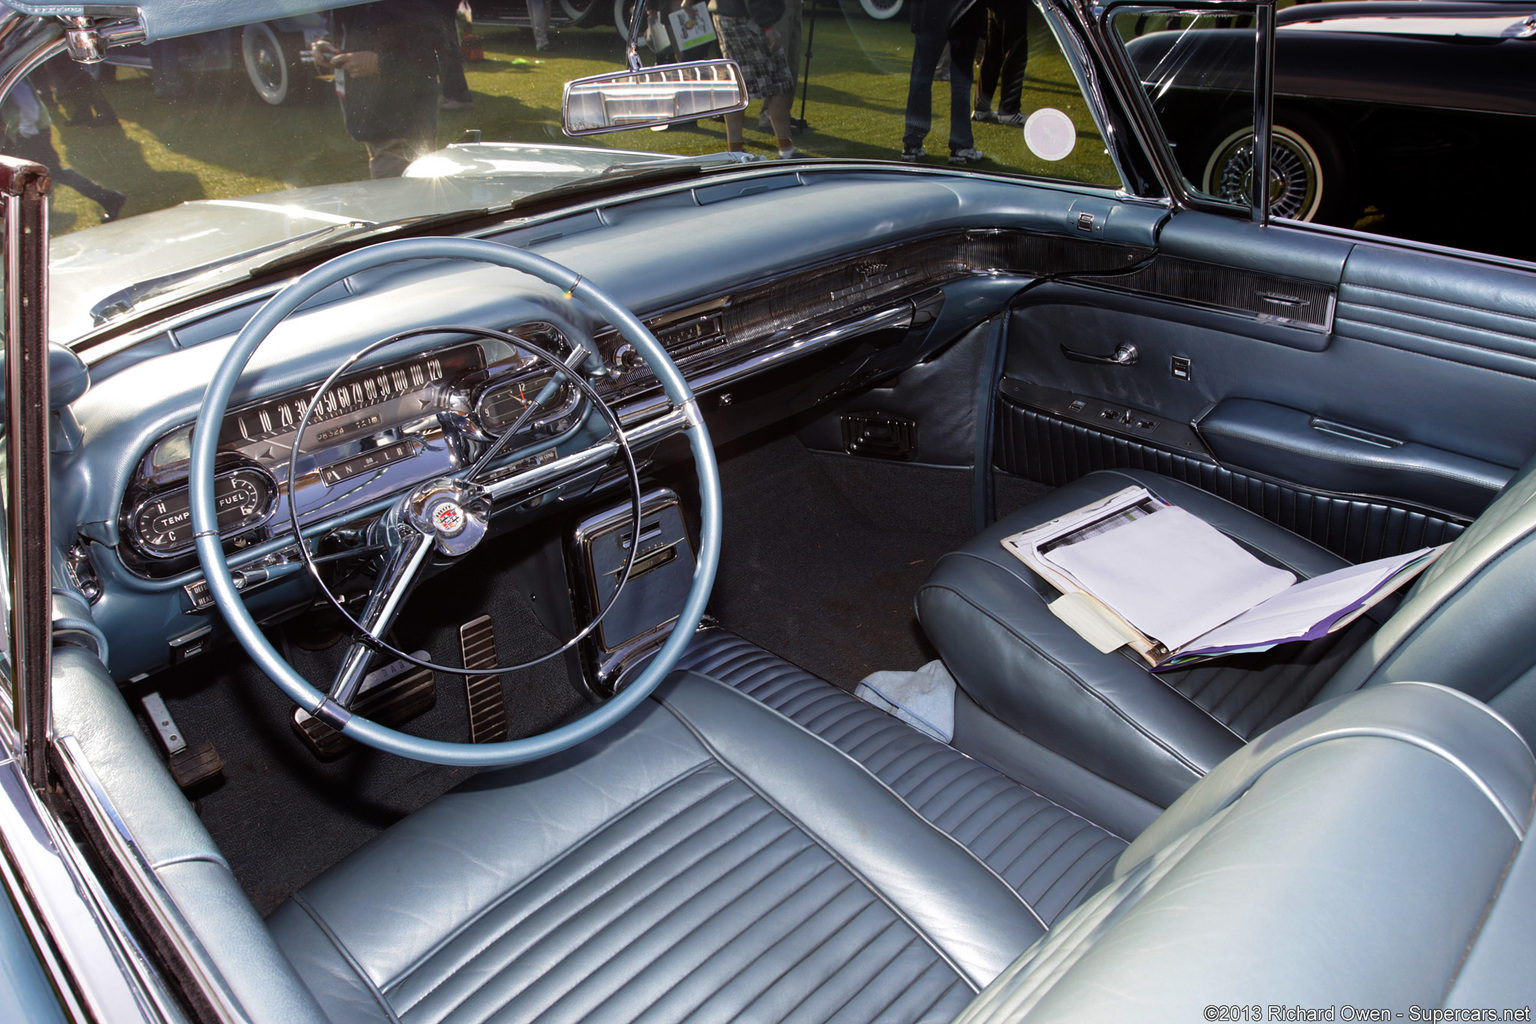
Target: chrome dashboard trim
(552,472)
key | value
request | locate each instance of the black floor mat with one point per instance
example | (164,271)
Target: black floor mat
(279,815)
(822,555)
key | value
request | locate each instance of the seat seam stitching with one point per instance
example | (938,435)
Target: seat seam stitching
(593,969)
(849,884)
(438,946)
(819,946)
(570,917)
(346,955)
(898,911)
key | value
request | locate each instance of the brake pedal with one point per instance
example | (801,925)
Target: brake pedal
(190,764)
(487,705)
(391,696)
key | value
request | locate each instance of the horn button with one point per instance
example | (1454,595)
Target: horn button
(452,514)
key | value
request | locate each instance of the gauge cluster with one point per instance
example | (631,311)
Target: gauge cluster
(370,435)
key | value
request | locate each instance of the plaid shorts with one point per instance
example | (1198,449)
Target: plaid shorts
(766,71)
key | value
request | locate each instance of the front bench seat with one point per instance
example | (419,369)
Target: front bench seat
(710,860)
(705,858)
(1466,623)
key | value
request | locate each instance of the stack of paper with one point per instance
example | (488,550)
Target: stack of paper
(1134,570)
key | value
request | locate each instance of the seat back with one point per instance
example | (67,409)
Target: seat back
(1470,621)
(1371,852)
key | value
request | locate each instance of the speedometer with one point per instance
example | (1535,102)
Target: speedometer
(161,526)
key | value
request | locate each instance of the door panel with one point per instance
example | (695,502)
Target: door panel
(1056,450)
(1294,445)
(1410,411)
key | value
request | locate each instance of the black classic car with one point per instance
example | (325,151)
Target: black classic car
(1387,111)
(487,594)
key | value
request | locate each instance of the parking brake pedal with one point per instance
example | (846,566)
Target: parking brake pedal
(487,707)
(190,763)
(391,696)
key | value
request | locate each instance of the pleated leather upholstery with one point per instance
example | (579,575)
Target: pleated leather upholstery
(1249,693)
(1048,854)
(1056,452)
(705,860)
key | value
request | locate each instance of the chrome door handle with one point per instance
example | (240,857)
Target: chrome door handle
(1125,355)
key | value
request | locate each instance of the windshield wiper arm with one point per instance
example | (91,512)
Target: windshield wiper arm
(125,300)
(699,160)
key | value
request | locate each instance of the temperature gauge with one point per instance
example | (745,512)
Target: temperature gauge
(162,525)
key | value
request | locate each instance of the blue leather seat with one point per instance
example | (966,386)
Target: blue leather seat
(1464,623)
(755,845)
(709,856)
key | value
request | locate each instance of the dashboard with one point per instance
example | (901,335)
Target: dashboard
(773,292)
(367,434)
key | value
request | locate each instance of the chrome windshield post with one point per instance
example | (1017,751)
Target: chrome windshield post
(24,199)
(1263,105)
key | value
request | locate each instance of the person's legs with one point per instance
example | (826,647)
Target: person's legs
(925,57)
(1014,62)
(789,31)
(450,64)
(388,158)
(39,149)
(991,64)
(733,140)
(538,13)
(776,109)
(963,50)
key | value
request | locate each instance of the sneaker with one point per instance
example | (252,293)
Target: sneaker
(1012,120)
(447,104)
(789,154)
(912,156)
(763,124)
(966,156)
(112,205)
(984,114)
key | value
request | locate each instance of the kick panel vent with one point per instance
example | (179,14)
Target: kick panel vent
(878,435)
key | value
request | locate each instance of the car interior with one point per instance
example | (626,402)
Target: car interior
(673,470)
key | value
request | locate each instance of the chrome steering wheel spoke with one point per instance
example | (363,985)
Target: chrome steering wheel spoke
(402,566)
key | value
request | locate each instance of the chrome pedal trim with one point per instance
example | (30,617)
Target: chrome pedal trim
(483,695)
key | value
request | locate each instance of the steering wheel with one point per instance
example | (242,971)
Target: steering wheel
(439,516)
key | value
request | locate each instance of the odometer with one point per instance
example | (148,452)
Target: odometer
(162,525)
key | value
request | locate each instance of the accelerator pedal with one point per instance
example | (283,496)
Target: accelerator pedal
(487,706)
(190,763)
(392,696)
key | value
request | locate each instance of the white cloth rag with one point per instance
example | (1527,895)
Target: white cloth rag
(924,699)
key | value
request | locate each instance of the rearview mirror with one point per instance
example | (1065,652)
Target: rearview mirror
(655,96)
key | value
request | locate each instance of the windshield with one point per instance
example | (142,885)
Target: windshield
(183,164)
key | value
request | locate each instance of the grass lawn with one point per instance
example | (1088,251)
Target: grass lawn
(223,141)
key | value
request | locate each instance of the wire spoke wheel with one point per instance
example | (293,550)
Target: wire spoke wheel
(1296,181)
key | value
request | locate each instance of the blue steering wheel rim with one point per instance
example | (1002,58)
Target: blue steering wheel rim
(221,584)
